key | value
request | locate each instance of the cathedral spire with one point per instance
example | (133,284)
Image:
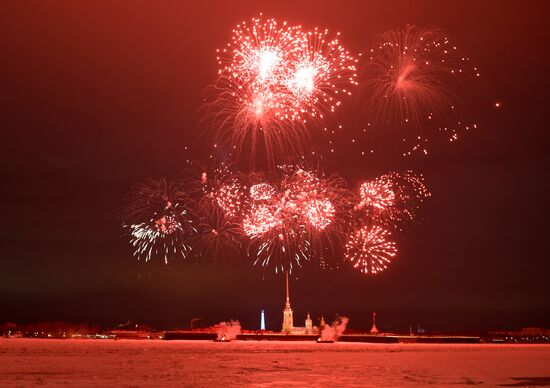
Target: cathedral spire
(287,293)
(287,313)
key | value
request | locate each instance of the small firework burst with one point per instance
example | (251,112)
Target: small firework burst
(378,193)
(230,198)
(260,220)
(276,229)
(392,199)
(220,236)
(281,246)
(221,185)
(319,213)
(369,250)
(322,74)
(413,77)
(262,192)
(158,219)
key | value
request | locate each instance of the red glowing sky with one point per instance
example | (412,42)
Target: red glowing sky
(98,95)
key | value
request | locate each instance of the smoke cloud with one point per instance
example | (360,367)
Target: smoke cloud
(228,330)
(334,332)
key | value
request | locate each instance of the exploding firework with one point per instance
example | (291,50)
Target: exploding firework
(322,200)
(413,77)
(300,217)
(392,199)
(230,198)
(158,219)
(260,220)
(378,193)
(273,79)
(323,73)
(319,213)
(278,241)
(276,229)
(220,185)
(262,192)
(369,250)
(220,236)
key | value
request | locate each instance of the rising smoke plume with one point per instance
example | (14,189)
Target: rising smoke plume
(334,332)
(228,331)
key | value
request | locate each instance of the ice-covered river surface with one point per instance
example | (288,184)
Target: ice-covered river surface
(133,363)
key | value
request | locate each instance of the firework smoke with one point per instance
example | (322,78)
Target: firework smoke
(334,332)
(228,331)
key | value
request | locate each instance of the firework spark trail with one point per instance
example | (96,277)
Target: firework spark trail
(230,198)
(377,193)
(262,192)
(369,250)
(220,236)
(294,216)
(412,78)
(392,199)
(273,79)
(296,220)
(220,184)
(158,219)
(322,74)
(260,220)
(319,213)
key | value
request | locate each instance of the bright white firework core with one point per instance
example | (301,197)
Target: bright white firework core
(267,61)
(304,79)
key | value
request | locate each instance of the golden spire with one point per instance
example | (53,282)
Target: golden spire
(287,293)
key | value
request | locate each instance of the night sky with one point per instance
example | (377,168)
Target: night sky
(95,96)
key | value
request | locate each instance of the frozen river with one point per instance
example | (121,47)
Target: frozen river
(131,363)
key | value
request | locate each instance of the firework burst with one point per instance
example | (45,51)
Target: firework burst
(262,192)
(391,200)
(278,239)
(220,236)
(412,78)
(378,193)
(320,76)
(276,228)
(220,185)
(273,79)
(158,219)
(230,198)
(369,250)
(302,218)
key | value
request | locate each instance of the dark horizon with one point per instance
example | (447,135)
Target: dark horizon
(97,96)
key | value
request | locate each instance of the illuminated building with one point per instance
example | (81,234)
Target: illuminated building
(287,312)
(288,321)
(262,320)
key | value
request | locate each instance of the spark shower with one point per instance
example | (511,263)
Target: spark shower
(276,86)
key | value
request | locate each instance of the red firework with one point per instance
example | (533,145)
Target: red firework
(273,79)
(369,250)
(260,220)
(392,199)
(377,193)
(262,192)
(319,213)
(230,198)
(413,77)
(157,217)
